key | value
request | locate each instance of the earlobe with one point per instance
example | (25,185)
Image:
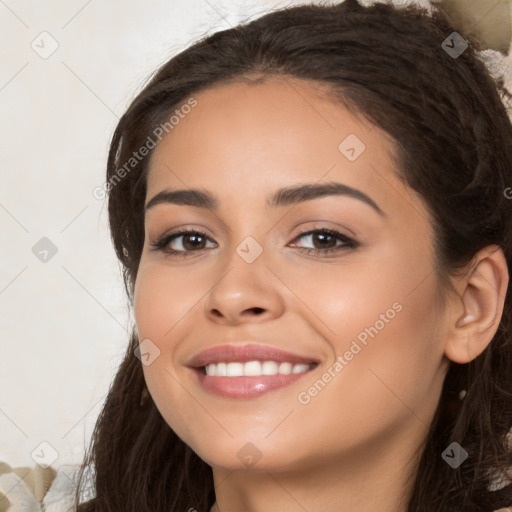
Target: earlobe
(482,291)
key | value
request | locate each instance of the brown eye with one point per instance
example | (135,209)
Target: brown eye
(181,243)
(325,240)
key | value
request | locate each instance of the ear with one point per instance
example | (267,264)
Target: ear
(476,312)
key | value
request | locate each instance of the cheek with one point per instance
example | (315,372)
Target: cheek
(163,297)
(382,316)
(385,329)
(164,306)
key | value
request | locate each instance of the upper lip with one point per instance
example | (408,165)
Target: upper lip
(244,353)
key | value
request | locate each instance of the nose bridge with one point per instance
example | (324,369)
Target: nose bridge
(249,233)
(245,265)
(245,284)
(250,249)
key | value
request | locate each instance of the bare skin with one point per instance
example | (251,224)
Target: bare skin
(352,445)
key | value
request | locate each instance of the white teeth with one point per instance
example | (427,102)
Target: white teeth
(234,370)
(299,368)
(269,368)
(285,368)
(254,368)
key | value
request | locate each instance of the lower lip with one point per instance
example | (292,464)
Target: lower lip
(246,387)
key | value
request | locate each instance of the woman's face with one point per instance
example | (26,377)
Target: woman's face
(354,312)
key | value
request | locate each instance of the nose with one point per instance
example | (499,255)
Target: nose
(244,292)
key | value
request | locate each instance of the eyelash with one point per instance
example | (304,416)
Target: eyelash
(348,243)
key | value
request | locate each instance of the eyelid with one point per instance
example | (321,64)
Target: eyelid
(308,230)
(195,228)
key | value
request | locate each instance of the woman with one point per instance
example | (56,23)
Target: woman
(314,218)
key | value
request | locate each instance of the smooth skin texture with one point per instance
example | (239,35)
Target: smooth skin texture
(353,445)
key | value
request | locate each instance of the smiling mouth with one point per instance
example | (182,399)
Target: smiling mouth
(249,379)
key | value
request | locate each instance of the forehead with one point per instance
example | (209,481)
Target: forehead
(247,139)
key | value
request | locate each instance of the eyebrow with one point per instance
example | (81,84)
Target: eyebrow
(283,197)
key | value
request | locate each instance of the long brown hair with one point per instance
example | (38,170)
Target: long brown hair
(453,139)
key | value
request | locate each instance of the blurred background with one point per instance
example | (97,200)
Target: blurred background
(68,70)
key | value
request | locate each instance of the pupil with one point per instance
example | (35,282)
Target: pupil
(192,237)
(324,236)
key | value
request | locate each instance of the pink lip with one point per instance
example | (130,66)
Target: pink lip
(244,353)
(246,386)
